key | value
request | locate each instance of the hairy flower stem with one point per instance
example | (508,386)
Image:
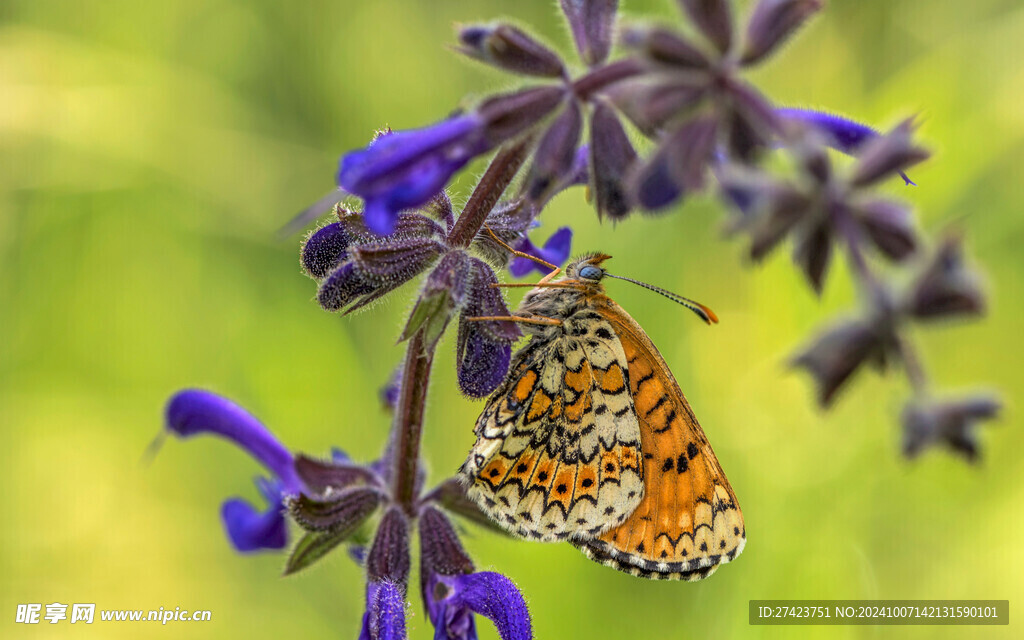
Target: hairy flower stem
(869,281)
(493,183)
(408,427)
(419,358)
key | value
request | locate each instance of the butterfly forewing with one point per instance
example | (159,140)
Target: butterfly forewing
(558,445)
(689,521)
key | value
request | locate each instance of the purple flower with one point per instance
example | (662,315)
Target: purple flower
(947,422)
(840,133)
(555,251)
(452,592)
(452,601)
(484,348)
(405,169)
(384,618)
(355,268)
(195,411)
(826,205)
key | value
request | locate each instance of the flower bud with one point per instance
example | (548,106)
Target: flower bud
(887,155)
(889,225)
(929,423)
(839,351)
(946,286)
(611,158)
(440,549)
(592,23)
(511,49)
(324,250)
(772,23)
(553,159)
(484,347)
(713,18)
(388,558)
(653,101)
(813,253)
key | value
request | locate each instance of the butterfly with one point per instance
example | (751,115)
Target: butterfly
(589,439)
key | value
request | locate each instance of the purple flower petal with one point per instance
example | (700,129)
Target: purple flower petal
(492,595)
(406,169)
(556,251)
(385,612)
(250,530)
(195,411)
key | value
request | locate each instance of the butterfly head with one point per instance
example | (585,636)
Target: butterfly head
(587,269)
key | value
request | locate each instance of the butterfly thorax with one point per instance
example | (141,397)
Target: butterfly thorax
(562,298)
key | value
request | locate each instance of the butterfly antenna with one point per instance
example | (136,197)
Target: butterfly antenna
(705,314)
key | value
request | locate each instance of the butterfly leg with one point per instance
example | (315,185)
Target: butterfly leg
(555,269)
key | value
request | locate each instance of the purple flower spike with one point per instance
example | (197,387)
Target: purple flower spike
(406,169)
(385,612)
(555,251)
(452,601)
(842,134)
(250,530)
(194,411)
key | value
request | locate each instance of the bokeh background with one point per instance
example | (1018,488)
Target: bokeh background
(151,151)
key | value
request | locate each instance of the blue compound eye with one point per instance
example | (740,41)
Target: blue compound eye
(591,272)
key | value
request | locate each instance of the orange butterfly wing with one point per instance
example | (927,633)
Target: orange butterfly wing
(689,521)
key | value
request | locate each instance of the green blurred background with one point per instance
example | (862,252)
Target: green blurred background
(150,152)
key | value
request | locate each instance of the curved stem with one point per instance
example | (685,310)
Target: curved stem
(493,183)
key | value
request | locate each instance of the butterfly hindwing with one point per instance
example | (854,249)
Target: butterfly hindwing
(558,445)
(689,521)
